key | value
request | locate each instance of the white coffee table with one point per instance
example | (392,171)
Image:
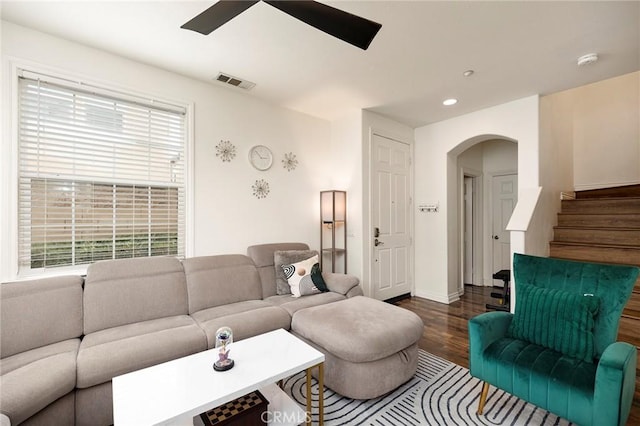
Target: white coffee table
(176,391)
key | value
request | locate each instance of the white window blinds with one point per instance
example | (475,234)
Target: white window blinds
(99,177)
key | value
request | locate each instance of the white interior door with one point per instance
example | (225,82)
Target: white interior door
(391,219)
(504,195)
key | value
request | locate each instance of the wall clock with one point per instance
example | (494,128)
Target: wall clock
(260,157)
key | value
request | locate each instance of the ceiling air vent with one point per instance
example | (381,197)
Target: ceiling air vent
(235,81)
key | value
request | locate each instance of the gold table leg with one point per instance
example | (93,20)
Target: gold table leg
(308,396)
(320,394)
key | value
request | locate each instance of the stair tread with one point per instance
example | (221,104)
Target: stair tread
(596,228)
(597,214)
(603,199)
(572,243)
(628,190)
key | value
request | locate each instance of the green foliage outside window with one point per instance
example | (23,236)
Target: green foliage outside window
(61,253)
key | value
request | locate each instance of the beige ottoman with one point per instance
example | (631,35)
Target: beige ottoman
(370,347)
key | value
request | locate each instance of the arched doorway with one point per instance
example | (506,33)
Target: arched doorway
(485,182)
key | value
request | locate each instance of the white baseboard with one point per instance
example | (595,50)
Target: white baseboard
(437,297)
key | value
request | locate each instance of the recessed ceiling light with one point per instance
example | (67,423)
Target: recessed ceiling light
(587,59)
(468,73)
(449,102)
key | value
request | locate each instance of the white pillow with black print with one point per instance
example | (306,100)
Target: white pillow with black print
(299,277)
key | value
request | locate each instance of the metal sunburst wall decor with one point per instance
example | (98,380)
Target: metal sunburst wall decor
(260,188)
(290,161)
(225,150)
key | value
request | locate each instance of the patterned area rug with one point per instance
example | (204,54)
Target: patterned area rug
(440,393)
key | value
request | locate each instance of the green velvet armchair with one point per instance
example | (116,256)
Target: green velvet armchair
(558,350)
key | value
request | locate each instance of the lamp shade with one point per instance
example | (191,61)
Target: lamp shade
(333,206)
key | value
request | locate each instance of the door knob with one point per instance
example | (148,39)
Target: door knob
(495,237)
(377,243)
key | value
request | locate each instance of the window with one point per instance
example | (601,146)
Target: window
(100,176)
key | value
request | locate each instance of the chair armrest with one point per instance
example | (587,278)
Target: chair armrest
(615,384)
(342,283)
(484,329)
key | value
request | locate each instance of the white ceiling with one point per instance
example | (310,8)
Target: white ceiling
(417,59)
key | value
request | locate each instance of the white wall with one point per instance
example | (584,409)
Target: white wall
(345,169)
(472,158)
(437,147)
(601,123)
(499,157)
(556,162)
(226,216)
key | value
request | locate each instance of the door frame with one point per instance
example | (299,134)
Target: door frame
(367,229)
(478,225)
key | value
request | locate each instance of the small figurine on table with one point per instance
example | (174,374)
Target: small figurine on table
(224,338)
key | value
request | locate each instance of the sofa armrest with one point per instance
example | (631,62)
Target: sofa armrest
(615,384)
(344,284)
(4,420)
(485,329)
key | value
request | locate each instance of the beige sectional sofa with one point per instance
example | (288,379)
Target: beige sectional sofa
(61,343)
(40,331)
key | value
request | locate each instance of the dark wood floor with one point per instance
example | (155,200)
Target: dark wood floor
(445,332)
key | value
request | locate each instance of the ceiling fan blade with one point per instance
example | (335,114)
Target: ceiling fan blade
(343,25)
(217,15)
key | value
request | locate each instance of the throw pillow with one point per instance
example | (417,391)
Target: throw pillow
(287,257)
(316,277)
(556,319)
(299,276)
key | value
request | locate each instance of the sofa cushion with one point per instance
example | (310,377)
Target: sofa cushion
(561,384)
(555,319)
(40,312)
(262,256)
(33,379)
(342,284)
(126,291)
(369,329)
(246,319)
(60,412)
(220,280)
(119,350)
(293,304)
(288,257)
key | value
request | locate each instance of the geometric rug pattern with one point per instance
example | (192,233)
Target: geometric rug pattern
(440,393)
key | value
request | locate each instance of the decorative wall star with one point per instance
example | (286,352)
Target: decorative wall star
(225,150)
(260,188)
(290,162)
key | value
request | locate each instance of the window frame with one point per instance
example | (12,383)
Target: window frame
(9,241)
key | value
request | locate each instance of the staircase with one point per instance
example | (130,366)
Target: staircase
(604,226)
